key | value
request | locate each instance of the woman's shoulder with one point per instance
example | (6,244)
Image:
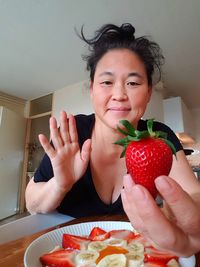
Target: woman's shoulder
(157,126)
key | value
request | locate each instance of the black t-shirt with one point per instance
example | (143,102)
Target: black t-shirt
(83,200)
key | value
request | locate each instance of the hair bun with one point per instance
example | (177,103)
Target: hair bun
(127,30)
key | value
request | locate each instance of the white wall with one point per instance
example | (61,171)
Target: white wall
(155,107)
(74,99)
(194,159)
(196,116)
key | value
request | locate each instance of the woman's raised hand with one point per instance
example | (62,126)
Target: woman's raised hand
(68,162)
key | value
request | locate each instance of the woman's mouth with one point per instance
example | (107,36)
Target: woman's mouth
(119,109)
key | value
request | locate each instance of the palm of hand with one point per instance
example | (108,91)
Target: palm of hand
(68,162)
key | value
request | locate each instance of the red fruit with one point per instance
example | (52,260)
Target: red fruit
(74,242)
(98,234)
(123,234)
(148,154)
(155,264)
(146,160)
(154,255)
(60,258)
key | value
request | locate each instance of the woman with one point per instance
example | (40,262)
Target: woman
(82,174)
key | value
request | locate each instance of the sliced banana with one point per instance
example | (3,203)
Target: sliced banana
(86,257)
(116,242)
(135,248)
(114,260)
(173,263)
(135,260)
(96,246)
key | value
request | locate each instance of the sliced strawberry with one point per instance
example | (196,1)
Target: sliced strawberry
(60,258)
(152,254)
(155,264)
(74,242)
(98,234)
(123,234)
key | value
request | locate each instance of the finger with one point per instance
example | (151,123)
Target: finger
(72,129)
(64,129)
(156,223)
(49,150)
(179,202)
(128,181)
(55,135)
(131,211)
(128,203)
(85,151)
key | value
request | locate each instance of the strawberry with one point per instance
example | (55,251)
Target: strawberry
(60,258)
(74,241)
(148,154)
(155,264)
(154,255)
(98,234)
(123,234)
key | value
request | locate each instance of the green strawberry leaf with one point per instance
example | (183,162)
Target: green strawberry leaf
(122,131)
(123,152)
(130,128)
(142,134)
(122,142)
(150,127)
(170,144)
(161,134)
(131,138)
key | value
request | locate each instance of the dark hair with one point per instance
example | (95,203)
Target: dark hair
(110,36)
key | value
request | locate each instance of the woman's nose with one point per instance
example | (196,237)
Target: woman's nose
(119,92)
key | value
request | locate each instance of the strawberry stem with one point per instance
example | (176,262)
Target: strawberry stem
(132,134)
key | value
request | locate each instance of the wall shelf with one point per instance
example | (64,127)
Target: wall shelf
(40,115)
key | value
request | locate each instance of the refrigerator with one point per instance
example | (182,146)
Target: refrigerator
(12,141)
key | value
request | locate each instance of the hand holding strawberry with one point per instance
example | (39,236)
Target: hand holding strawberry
(148,154)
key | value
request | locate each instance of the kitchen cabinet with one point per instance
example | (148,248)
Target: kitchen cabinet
(177,116)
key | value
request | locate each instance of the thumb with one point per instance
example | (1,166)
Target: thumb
(85,151)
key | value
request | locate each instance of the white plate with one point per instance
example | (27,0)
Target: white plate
(48,241)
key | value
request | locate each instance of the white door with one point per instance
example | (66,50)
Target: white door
(12,138)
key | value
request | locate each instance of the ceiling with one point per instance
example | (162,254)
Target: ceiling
(40,51)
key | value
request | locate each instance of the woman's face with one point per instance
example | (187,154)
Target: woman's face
(120,89)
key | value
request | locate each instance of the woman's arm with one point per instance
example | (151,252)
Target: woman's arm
(182,173)
(68,163)
(44,197)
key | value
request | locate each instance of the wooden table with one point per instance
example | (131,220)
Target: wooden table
(12,253)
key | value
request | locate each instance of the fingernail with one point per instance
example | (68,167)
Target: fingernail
(162,183)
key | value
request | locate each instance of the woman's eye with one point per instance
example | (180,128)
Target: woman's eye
(132,83)
(106,83)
